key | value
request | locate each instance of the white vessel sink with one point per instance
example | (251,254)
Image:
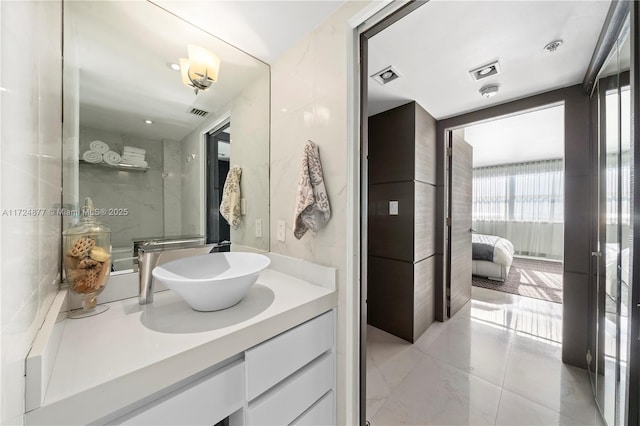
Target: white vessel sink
(215,281)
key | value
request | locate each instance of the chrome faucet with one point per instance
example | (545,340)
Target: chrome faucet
(154,253)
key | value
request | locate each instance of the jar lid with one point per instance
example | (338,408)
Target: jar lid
(88,223)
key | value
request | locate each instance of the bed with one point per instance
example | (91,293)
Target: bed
(492,256)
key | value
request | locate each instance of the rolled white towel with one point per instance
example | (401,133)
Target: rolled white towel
(92,157)
(112,158)
(99,147)
(133,150)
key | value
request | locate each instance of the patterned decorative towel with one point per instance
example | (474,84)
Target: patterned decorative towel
(230,205)
(99,147)
(312,204)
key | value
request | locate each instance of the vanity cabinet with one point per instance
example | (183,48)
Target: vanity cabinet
(289,379)
(207,401)
(288,374)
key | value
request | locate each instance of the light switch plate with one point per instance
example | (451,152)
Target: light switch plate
(281,230)
(258,228)
(393,208)
(243,206)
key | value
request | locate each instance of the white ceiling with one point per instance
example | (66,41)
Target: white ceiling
(435,46)
(535,135)
(123,52)
(124,48)
(264,29)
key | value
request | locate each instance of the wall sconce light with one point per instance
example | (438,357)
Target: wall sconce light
(200,71)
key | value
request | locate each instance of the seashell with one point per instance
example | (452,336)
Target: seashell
(70,262)
(102,276)
(89,264)
(99,254)
(82,247)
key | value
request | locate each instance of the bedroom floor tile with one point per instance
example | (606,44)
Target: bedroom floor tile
(498,361)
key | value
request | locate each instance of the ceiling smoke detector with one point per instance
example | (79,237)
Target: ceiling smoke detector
(489,90)
(386,75)
(553,46)
(485,71)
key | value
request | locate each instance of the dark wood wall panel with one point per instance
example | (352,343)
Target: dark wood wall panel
(391,236)
(423,300)
(425,216)
(402,167)
(390,304)
(425,140)
(392,145)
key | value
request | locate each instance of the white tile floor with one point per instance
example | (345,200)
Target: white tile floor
(497,362)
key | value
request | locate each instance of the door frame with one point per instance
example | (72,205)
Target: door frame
(358,180)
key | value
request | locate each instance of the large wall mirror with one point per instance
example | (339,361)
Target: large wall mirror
(169,148)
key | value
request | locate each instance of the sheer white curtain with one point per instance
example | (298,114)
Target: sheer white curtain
(523,203)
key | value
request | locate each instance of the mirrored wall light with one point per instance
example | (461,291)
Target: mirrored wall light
(201,69)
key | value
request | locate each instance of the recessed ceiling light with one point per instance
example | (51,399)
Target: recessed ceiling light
(485,71)
(553,46)
(489,90)
(148,121)
(386,75)
(174,66)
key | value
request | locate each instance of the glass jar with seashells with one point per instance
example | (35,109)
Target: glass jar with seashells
(87,261)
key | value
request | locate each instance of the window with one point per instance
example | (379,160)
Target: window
(525,192)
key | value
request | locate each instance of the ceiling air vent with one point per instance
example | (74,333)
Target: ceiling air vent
(198,112)
(485,71)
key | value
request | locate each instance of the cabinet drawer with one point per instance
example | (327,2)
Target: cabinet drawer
(321,414)
(274,360)
(283,404)
(206,402)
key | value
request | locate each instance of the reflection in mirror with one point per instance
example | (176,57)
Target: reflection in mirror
(612,309)
(136,132)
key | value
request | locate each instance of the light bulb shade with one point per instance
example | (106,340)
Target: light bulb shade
(201,70)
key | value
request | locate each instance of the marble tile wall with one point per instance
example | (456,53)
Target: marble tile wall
(309,101)
(172,187)
(30,178)
(192,182)
(250,150)
(141,193)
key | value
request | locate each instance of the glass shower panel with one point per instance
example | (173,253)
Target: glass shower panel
(609,321)
(624,96)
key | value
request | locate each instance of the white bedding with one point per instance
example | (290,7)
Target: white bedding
(502,259)
(503,252)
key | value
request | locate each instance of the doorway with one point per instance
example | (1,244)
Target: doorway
(577,192)
(217,151)
(518,203)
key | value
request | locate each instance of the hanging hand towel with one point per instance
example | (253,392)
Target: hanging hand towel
(92,157)
(111,157)
(99,147)
(230,205)
(312,204)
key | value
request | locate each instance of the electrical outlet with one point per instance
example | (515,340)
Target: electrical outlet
(281,230)
(258,228)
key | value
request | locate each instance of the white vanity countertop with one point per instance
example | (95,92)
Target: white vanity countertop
(108,361)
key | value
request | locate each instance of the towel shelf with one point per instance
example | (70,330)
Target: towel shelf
(127,167)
